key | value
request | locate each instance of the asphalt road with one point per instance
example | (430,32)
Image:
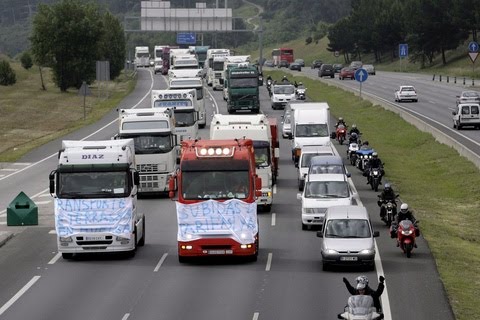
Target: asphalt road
(287,281)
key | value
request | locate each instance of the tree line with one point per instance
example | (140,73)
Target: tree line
(429,27)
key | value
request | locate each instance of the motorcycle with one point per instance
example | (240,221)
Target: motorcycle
(374,177)
(406,232)
(352,152)
(390,209)
(360,307)
(341,133)
(363,156)
(300,93)
(269,86)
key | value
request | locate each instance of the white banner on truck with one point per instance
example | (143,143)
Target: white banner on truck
(233,218)
(81,216)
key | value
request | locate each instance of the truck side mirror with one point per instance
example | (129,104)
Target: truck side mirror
(320,235)
(258,186)
(172,187)
(454,113)
(51,178)
(136,178)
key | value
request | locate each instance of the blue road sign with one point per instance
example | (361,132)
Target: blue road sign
(186,38)
(361,75)
(473,47)
(403,50)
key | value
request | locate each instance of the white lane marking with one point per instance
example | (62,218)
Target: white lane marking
(44,195)
(159,264)
(255,316)
(432,102)
(274,189)
(43,202)
(274,218)
(21,163)
(125,317)
(18,294)
(90,135)
(55,258)
(52,232)
(3,223)
(8,169)
(269,262)
(214,101)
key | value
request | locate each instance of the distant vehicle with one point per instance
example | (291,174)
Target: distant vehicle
(466,114)
(300,61)
(316,64)
(406,93)
(286,124)
(295,66)
(269,63)
(356,65)
(337,67)
(283,64)
(468,96)
(142,57)
(369,68)
(282,54)
(281,95)
(347,73)
(326,70)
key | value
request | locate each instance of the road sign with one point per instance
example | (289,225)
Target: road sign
(186,38)
(361,75)
(403,50)
(473,47)
(473,56)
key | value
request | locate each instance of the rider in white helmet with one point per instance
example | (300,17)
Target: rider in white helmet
(362,287)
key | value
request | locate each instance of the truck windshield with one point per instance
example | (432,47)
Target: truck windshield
(143,55)
(215,184)
(311,130)
(93,184)
(243,82)
(184,118)
(262,158)
(218,65)
(326,189)
(150,144)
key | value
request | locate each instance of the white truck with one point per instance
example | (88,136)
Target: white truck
(95,198)
(153,133)
(256,128)
(310,126)
(190,79)
(184,62)
(185,109)
(215,69)
(142,57)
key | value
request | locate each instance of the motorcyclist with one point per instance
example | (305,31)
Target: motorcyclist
(340,121)
(354,129)
(353,138)
(386,195)
(269,79)
(365,145)
(285,79)
(374,162)
(362,287)
(404,214)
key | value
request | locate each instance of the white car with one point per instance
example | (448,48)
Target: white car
(322,191)
(286,125)
(404,93)
(282,94)
(468,97)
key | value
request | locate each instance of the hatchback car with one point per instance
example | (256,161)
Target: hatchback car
(326,70)
(321,192)
(404,93)
(316,64)
(356,65)
(337,67)
(295,66)
(346,73)
(369,68)
(468,97)
(348,237)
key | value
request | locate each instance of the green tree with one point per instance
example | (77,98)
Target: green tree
(66,37)
(112,44)
(26,60)
(7,75)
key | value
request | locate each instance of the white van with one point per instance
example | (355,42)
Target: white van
(467,114)
(309,152)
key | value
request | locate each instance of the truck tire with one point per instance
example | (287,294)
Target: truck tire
(67,256)
(141,243)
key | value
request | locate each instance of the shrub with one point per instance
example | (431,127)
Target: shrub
(308,41)
(26,60)
(7,75)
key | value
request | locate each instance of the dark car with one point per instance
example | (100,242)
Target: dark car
(326,70)
(283,64)
(316,64)
(300,61)
(296,66)
(347,73)
(337,67)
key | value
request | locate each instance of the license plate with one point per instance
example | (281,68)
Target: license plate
(220,251)
(93,238)
(348,258)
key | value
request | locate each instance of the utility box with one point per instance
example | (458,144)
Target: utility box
(22,211)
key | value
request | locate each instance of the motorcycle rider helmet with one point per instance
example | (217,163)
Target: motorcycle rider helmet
(404,208)
(361,286)
(374,155)
(340,119)
(387,187)
(354,126)
(362,279)
(365,143)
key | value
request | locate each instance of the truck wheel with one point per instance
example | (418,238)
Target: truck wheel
(182,259)
(141,243)
(67,256)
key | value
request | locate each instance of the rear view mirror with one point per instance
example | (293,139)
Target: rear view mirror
(376,234)
(320,234)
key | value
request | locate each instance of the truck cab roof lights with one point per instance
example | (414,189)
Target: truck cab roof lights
(215,152)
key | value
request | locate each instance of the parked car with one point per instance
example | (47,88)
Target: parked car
(466,115)
(269,63)
(346,73)
(283,64)
(348,237)
(468,96)
(337,67)
(369,68)
(295,66)
(356,65)
(316,64)
(404,93)
(326,70)
(300,61)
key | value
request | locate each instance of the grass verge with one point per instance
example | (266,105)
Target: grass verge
(32,117)
(441,186)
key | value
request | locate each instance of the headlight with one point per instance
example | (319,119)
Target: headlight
(367,251)
(407,232)
(65,239)
(331,251)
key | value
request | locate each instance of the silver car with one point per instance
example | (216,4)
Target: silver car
(348,237)
(369,68)
(286,125)
(468,97)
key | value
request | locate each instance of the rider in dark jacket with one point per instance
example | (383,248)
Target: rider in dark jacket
(354,129)
(353,138)
(362,282)
(374,162)
(386,195)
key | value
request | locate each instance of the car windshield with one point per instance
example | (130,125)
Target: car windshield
(311,130)
(326,168)
(283,89)
(326,189)
(347,228)
(307,158)
(408,89)
(470,94)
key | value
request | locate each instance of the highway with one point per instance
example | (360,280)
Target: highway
(287,281)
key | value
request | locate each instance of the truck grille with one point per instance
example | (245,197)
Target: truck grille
(149,182)
(218,75)
(147,167)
